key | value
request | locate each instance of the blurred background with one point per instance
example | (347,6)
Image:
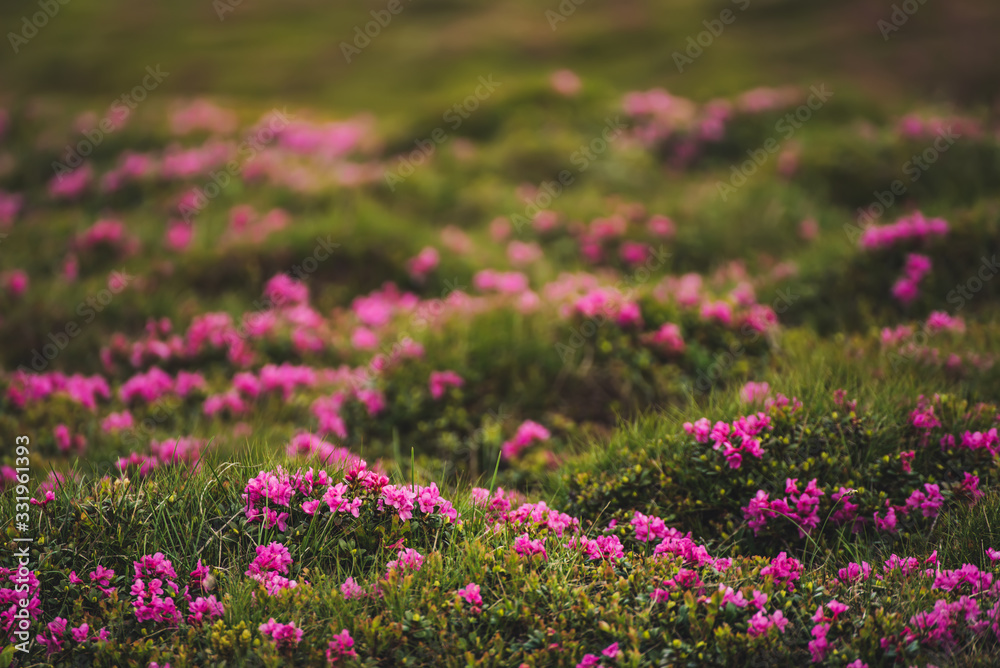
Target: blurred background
(290,51)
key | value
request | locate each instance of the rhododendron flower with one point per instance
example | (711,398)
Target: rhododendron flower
(424,263)
(753,392)
(928,501)
(661,226)
(340,647)
(565,82)
(270,558)
(527,433)
(668,337)
(525,546)
(470,594)
(612,651)
(855,571)
(363,338)
(905,290)
(408,559)
(15,282)
(179,235)
(284,635)
(204,608)
(117,422)
(440,381)
(282,290)
(520,253)
(351,589)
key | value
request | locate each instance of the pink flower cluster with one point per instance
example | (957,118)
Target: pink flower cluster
(648,528)
(906,289)
(155,383)
(784,569)
(154,590)
(527,433)
(470,594)
(754,392)
(914,227)
(528,547)
(667,337)
(340,647)
(25,388)
(743,431)
(800,507)
(602,547)
(407,560)
(185,450)
(440,381)
(305,444)
(17,586)
(285,636)
(270,566)
(423,264)
(511,282)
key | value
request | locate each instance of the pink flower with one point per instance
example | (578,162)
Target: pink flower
(905,290)
(808,229)
(754,392)
(284,635)
(272,558)
(117,422)
(855,572)
(470,593)
(565,82)
(282,290)
(400,498)
(634,253)
(424,263)
(520,253)
(363,338)
(202,609)
(179,235)
(720,311)
(669,337)
(351,589)
(525,546)
(661,226)
(340,647)
(527,433)
(612,651)
(440,381)
(928,501)
(16,282)
(408,559)
(917,266)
